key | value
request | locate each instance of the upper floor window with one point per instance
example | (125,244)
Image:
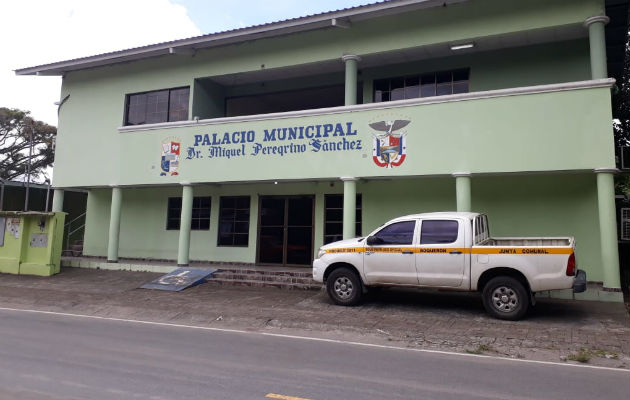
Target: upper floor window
(158,106)
(424,85)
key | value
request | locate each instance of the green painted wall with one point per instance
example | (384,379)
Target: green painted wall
(568,130)
(207,99)
(89,119)
(513,67)
(517,205)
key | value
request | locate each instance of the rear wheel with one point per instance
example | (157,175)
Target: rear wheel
(344,287)
(505,298)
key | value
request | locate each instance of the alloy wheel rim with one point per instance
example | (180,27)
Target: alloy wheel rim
(505,299)
(343,287)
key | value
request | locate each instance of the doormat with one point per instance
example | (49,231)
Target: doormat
(180,279)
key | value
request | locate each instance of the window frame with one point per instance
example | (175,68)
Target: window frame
(234,221)
(358,216)
(192,217)
(168,107)
(418,77)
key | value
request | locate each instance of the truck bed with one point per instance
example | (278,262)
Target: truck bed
(527,241)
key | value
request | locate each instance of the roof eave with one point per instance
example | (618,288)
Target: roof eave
(304,24)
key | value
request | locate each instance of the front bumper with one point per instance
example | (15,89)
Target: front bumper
(318,270)
(579,284)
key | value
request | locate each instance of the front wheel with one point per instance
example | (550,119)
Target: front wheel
(505,298)
(344,287)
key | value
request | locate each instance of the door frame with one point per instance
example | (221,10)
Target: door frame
(285,229)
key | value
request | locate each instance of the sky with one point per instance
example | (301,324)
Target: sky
(39,32)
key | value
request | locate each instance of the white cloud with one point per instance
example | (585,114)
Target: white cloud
(39,32)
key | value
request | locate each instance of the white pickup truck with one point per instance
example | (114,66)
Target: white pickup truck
(450,250)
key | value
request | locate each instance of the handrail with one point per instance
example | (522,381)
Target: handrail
(68,228)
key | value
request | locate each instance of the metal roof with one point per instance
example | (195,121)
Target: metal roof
(342,18)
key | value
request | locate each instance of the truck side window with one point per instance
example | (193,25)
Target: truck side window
(438,231)
(398,233)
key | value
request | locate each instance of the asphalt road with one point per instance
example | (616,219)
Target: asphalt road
(50,356)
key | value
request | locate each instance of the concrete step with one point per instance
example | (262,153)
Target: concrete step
(258,283)
(262,278)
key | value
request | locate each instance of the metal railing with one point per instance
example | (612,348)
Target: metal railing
(72,227)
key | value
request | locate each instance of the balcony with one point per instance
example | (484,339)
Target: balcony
(559,127)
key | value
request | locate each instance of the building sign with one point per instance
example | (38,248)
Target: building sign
(279,142)
(389,144)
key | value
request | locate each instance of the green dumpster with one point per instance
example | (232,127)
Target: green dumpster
(30,242)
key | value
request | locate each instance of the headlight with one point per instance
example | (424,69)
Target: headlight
(321,253)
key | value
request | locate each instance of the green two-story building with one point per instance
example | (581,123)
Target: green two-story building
(260,144)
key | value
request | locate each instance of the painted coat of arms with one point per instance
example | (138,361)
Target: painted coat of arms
(169,164)
(389,146)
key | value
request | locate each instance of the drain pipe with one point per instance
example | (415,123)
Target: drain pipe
(47,194)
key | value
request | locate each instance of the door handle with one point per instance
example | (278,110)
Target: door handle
(455,252)
(407,252)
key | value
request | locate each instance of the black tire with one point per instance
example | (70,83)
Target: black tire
(505,297)
(344,287)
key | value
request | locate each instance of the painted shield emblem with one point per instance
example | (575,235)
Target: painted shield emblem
(169,162)
(389,146)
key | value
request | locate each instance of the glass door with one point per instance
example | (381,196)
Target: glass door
(285,230)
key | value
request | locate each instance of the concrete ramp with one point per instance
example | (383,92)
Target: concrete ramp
(180,279)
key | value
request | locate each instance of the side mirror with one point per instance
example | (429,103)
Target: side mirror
(373,240)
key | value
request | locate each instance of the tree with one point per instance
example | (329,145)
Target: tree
(18,131)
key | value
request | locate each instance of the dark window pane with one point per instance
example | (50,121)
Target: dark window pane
(334,214)
(427,79)
(397,233)
(272,212)
(412,81)
(300,211)
(242,215)
(225,239)
(378,96)
(157,107)
(242,202)
(228,213)
(438,231)
(240,240)
(178,107)
(397,83)
(333,228)
(333,201)
(204,202)
(381,85)
(444,77)
(241,227)
(136,109)
(427,90)
(386,96)
(460,87)
(233,222)
(461,74)
(204,224)
(203,212)
(444,89)
(175,202)
(228,202)
(172,224)
(412,92)
(398,94)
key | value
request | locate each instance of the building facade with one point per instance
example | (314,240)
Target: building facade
(260,144)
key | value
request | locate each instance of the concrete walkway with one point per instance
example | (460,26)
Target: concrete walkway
(556,330)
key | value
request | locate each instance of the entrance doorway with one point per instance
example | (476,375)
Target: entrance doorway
(285,230)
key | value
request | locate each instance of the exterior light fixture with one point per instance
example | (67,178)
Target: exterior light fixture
(462,46)
(275,182)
